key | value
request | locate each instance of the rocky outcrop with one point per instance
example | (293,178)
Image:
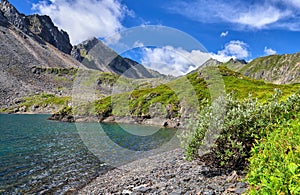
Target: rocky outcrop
(43,27)
(3,20)
(13,16)
(38,27)
(95,55)
(64,115)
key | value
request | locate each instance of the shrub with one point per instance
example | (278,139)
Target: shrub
(226,130)
(275,162)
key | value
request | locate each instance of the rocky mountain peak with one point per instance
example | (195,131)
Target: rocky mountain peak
(36,26)
(43,27)
(80,51)
(13,16)
(237,61)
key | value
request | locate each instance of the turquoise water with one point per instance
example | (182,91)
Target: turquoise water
(42,156)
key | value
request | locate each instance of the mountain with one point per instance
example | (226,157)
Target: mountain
(96,55)
(33,56)
(278,69)
(40,28)
(36,61)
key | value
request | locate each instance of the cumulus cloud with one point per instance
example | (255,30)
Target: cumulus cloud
(224,34)
(85,19)
(269,51)
(234,49)
(173,61)
(245,14)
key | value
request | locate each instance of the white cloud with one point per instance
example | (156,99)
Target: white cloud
(138,44)
(269,51)
(85,19)
(295,3)
(244,14)
(224,34)
(260,17)
(173,61)
(234,49)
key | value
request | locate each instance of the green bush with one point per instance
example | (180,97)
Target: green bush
(275,162)
(226,130)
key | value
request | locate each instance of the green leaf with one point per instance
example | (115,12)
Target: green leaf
(292,168)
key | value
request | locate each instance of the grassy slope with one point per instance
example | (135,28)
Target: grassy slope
(274,68)
(106,83)
(149,92)
(175,92)
(43,102)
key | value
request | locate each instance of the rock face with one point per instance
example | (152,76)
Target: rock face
(95,55)
(39,27)
(3,20)
(13,16)
(43,27)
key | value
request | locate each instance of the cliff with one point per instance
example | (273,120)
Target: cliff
(38,27)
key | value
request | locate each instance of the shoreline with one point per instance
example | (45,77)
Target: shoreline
(166,173)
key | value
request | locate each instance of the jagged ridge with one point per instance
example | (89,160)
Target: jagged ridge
(40,28)
(96,55)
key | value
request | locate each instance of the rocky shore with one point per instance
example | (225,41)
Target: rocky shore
(64,116)
(167,173)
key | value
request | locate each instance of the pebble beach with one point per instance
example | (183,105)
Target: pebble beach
(167,173)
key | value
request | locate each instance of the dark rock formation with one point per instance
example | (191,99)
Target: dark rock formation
(38,27)
(95,55)
(13,16)
(3,20)
(43,27)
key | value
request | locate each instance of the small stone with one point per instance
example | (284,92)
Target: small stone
(176,192)
(241,185)
(142,188)
(126,192)
(232,177)
(209,192)
(240,190)
(163,193)
(186,179)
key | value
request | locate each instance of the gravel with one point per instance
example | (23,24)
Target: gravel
(167,173)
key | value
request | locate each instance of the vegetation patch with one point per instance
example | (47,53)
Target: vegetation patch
(275,161)
(41,101)
(241,123)
(137,102)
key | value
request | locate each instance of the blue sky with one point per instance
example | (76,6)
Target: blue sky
(241,29)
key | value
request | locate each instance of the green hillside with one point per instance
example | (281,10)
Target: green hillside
(280,69)
(137,102)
